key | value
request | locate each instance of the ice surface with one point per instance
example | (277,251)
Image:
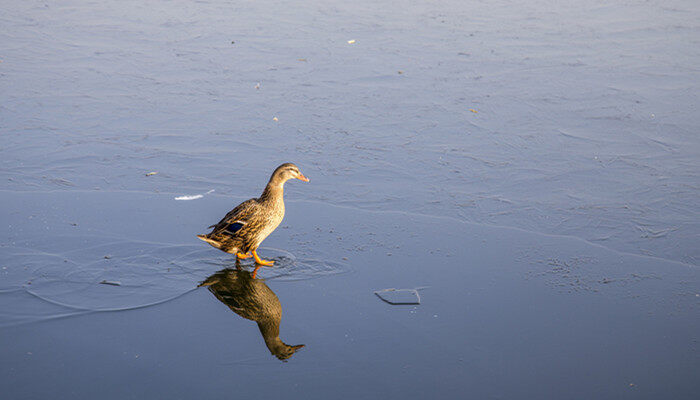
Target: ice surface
(535,163)
(505,309)
(587,120)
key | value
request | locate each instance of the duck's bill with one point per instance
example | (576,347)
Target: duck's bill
(303,178)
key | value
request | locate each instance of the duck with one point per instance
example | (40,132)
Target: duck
(252,299)
(242,230)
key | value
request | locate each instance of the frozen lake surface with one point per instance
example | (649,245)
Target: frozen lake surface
(533,167)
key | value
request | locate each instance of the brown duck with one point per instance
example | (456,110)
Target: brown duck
(242,230)
(252,299)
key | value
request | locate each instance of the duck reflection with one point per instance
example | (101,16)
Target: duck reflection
(252,299)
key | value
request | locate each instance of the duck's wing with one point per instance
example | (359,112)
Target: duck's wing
(237,218)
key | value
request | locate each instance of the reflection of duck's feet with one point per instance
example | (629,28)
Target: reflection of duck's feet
(255,271)
(260,261)
(243,256)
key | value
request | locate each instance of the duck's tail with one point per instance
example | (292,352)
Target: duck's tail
(220,243)
(211,241)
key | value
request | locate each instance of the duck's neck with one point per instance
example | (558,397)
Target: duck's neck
(274,192)
(270,330)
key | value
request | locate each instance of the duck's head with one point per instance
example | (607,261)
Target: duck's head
(287,171)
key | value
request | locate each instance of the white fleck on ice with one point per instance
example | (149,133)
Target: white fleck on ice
(193,197)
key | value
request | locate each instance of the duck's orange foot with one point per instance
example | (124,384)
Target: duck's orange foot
(260,261)
(243,256)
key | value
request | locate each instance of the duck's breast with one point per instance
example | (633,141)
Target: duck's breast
(273,221)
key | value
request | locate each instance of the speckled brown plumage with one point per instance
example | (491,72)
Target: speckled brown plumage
(252,299)
(246,226)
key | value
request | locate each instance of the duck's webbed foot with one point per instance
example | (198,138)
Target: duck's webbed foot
(260,261)
(243,256)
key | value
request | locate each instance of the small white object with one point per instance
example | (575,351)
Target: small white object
(351,41)
(193,197)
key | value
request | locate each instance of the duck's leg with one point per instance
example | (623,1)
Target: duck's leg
(261,261)
(243,256)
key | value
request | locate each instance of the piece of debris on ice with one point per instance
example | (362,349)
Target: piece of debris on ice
(275,119)
(193,197)
(113,283)
(473,110)
(399,296)
(257,85)
(152,173)
(351,41)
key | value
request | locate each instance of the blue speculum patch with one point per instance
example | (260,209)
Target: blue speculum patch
(235,227)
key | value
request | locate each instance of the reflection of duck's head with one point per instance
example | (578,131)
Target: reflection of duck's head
(252,299)
(282,350)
